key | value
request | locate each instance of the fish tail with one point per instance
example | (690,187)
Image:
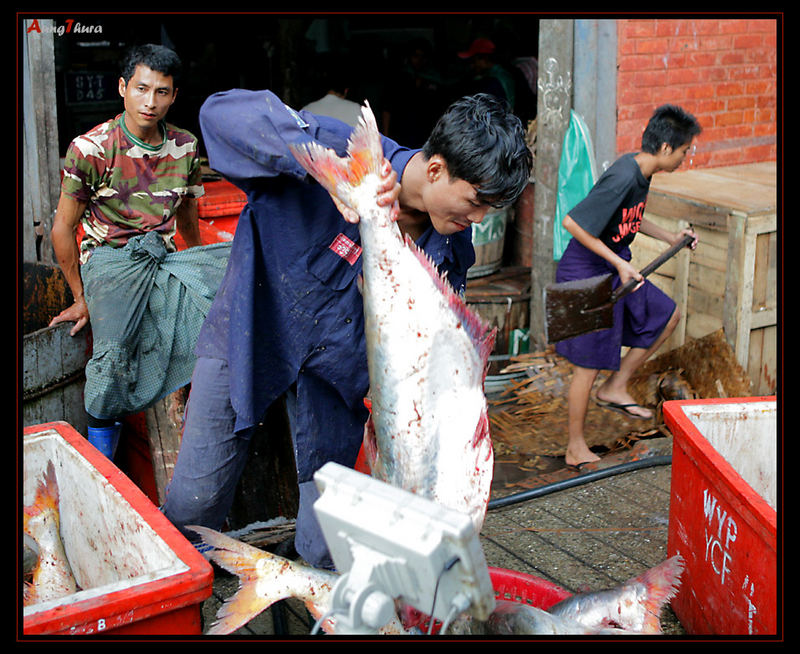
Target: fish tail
(251,565)
(338,175)
(661,584)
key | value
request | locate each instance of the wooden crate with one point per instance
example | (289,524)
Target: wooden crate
(52,361)
(730,280)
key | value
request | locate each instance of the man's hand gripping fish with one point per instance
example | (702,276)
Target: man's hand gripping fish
(427,352)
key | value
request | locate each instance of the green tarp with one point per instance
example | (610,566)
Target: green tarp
(576,175)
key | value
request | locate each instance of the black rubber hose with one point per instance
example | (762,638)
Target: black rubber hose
(533,493)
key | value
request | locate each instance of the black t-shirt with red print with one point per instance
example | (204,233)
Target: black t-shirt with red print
(613,209)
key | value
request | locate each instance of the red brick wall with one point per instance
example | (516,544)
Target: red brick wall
(724,71)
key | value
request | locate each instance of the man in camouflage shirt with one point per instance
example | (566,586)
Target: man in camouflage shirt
(127,177)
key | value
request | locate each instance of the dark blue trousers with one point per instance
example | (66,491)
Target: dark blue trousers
(212,458)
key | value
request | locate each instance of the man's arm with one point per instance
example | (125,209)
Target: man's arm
(65,245)
(186,220)
(651,229)
(230,119)
(624,268)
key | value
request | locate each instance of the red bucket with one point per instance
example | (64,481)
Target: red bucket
(518,587)
(525,589)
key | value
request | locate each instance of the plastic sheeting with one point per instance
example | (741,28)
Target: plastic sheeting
(577,173)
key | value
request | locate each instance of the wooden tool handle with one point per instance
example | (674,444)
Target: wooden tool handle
(628,286)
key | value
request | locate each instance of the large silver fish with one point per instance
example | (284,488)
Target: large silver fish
(264,578)
(427,352)
(633,607)
(517,619)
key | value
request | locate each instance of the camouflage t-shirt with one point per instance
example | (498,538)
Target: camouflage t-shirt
(130,187)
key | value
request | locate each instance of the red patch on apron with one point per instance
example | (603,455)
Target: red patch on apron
(345,248)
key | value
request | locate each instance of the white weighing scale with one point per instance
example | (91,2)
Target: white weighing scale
(390,544)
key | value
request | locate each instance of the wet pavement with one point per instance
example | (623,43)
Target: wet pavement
(590,536)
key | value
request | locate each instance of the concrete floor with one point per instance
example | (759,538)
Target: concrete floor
(589,537)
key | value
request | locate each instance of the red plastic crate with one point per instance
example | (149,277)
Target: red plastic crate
(216,230)
(221,199)
(722,514)
(137,574)
(218,210)
(521,588)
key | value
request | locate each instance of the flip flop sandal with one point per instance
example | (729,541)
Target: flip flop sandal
(622,408)
(578,467)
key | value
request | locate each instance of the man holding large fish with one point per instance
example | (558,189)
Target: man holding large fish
(289,318)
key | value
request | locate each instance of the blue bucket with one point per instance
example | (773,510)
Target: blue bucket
(105,439)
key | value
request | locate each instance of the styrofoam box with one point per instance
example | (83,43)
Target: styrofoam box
(135,571)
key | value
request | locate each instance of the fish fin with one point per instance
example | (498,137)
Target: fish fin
(364,146)
(338,174)
(46,497)
(482,432)
(370,447)
(661,584)
(237,611)
(479,332)
(242,560)
(28,594)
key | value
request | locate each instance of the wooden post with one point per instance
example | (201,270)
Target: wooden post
(680,293)
(595,83)
(553,115)
(40,141)
(741,314)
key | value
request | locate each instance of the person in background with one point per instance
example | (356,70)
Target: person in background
(489,76)
(414,96)
(130,183)
(335,102)
(602,226)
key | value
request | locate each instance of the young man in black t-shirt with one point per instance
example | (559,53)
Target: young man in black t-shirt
(603,226)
